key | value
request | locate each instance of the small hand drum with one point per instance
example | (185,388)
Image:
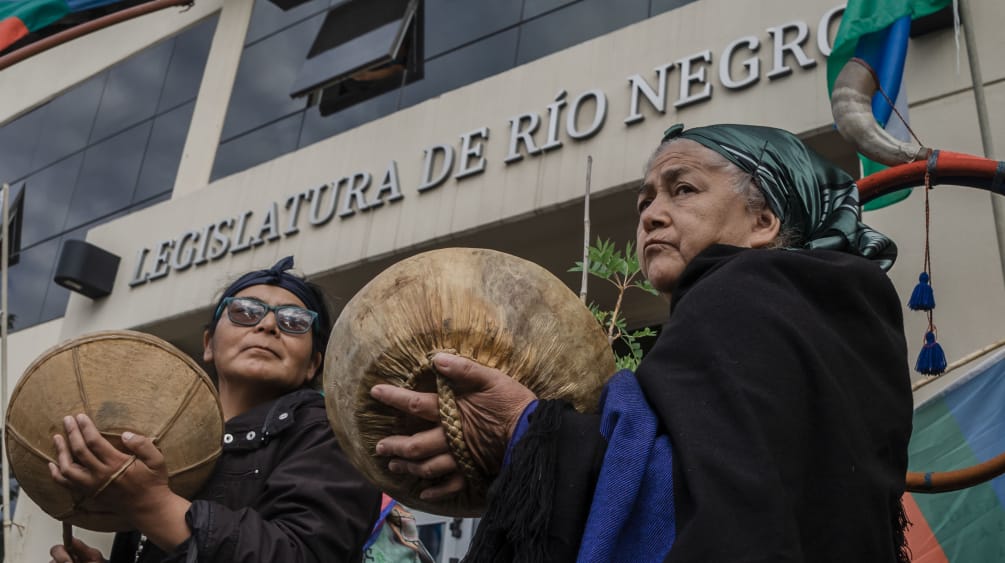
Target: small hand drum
(491,307)
(123,380)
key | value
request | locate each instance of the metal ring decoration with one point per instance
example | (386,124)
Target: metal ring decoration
(955,169)
(960,170)
(909,162)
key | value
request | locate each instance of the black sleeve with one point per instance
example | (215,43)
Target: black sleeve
(124,547)
(581,451)
(538,505)
(315,507)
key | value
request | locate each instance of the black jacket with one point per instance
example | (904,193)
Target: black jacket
(282,490)
(781,380)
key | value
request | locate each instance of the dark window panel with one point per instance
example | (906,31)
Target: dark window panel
(451,23)
(264,78)
(532,8)
(67,121)
(56,298)
(47,198)
(577,23)
(132,90)
(257,146)
(163,154)
(108,176)
(660,6)
(485,58)
(317,127)
(28,282)
(267,18)
(18,140)
(76,185)
(354,37)
(188,60)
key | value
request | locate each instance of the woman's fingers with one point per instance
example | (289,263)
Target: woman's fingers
(79,552)
(86,553)
(59,554)
(78,447)
(68,469)
(419,446)
(432,468)
(490,404)
(421,405)
(57,475)
(144,449)
(465,372)
(447,488)
(97,445)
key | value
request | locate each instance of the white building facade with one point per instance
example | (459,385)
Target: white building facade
(173,142)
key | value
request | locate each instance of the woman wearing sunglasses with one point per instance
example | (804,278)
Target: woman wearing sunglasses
(282,490)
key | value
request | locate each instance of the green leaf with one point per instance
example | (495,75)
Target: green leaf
(646,286)
(619,267)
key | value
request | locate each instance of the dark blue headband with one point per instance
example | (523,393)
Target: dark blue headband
(277,275)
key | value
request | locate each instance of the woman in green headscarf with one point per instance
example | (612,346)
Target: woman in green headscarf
(770,421)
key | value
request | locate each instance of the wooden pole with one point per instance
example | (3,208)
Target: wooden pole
(586,231)
(5,473)
(68,540)
(983,122)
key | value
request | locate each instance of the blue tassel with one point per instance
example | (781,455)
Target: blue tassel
(931,360)
(922,298)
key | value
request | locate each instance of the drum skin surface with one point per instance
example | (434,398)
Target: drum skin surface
(494,308)
(122,380)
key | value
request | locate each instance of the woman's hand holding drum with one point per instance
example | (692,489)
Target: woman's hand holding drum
(78,552)
(490,404)
(88,464)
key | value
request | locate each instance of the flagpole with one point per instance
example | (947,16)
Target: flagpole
(5,473)
(997,203)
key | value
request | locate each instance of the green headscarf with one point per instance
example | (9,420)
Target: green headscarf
(808,194)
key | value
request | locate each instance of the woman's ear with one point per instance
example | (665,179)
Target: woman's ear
(207,347)
(765,229)
(314,366)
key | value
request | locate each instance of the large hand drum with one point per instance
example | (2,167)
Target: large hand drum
(124,381)
(497,309)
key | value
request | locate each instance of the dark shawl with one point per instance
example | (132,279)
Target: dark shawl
(781,380)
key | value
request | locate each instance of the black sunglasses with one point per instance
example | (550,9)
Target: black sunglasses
(248,311)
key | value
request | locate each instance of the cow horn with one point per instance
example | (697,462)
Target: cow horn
(851,103)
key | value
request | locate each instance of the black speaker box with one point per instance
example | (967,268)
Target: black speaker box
(86,269)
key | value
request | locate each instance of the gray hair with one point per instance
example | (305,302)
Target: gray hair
(744,184)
